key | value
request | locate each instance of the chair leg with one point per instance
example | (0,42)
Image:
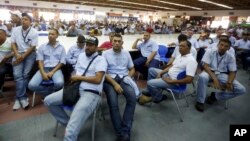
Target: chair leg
(138,76)
(176,105)
(33,99)
(93,126)
(186,99)
(226,105)
(56,129)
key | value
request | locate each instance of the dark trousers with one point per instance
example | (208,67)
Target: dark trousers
(4,69)
(140,65)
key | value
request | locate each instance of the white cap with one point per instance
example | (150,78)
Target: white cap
(17,13)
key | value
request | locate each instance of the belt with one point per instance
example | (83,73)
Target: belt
(220,72)
(92,91)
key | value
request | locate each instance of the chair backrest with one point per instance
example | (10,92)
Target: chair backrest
(180,76)
(163,50)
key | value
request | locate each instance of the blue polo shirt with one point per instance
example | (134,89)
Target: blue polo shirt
(118,63)
(51,56)
(148,47)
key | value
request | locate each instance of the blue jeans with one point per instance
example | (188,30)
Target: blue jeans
(34,84)
(139,64)
(82,110)
(155,85)
(21,75)
(121,125)
(204,79)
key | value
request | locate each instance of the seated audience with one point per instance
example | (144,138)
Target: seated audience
(89,90)
(220,69)
(119,81)
(51,57)
(108,44)
(149,51)
(167,78)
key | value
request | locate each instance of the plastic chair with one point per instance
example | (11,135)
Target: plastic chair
(163,50)
(70,108)
(179,90)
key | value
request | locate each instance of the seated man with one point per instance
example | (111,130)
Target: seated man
(72,32)
(75,50)
(220,68)
(150,56)
(108,44)
(50,57)
(119,82)
(243,48)
(5,56)
(89,90)
(167,78)
(176,53)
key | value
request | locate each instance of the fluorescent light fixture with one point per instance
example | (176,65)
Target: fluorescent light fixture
(128,2)
(181,5)
(218,4)
(122,6)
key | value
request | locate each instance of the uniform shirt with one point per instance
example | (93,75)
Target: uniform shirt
(243,44)
(98,65)
(5,49)
(183,63)
(148,47)
(193,42)
(202,44)
(118,63)
(105,32)
(214,46)
(219,63)
(73,54)
(24,39)
(51,56)
(177,52)
(216,39)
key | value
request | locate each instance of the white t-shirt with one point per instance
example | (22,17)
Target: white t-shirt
(183,63)
(5,49)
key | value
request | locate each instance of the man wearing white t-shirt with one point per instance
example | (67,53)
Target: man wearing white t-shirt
(167,78)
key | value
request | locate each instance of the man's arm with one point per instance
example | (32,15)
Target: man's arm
(131,72)
(134,46)
(56,68)
(186,80)
(150,57)
(116,86)
(212,75)
(97,79)
(231,77)
(41,68)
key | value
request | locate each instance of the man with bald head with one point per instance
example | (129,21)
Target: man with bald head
(149,54)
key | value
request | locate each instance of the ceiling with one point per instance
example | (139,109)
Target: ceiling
(161,5)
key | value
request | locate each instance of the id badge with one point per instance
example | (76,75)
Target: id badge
(216,72)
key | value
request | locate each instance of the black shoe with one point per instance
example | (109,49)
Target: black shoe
(199,106)
(164,97)
(211,99)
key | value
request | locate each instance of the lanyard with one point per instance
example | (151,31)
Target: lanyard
(218,61)
(25,36)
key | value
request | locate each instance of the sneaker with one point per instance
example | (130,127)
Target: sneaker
(199,106)
(144,99)
(164,97)
(25,103)
(211,99)
(16,105)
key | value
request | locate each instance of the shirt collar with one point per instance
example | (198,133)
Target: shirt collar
(187,55)
(56,45)
(92,56)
